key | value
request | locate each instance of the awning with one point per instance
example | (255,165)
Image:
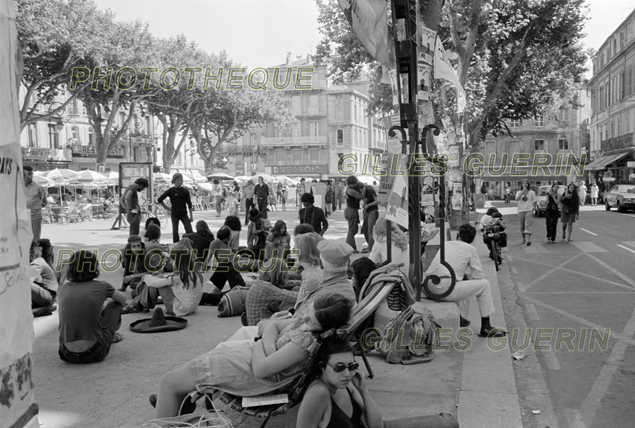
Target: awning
(604,161)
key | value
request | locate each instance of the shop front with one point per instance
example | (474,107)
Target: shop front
(45,159)
(85,157)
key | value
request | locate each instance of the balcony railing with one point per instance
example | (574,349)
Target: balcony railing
(616,143)
(293,141)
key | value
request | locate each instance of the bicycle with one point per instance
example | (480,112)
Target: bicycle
(492,237)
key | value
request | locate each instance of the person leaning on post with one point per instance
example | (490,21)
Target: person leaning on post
(131,204)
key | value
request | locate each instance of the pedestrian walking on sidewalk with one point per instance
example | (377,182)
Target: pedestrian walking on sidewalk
(261,194)
(570,210)
(527,201)
(595,190)
(552,213)
(582,190)
(351,213)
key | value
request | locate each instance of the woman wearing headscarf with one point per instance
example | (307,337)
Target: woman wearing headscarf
(570,210)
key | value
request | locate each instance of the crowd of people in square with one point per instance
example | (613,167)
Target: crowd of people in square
(301,284)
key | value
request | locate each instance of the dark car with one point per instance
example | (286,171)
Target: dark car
(621,196)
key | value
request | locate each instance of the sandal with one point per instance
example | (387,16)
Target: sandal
(129,309)
(492,332)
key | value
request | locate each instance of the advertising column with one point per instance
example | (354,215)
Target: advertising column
(17,404)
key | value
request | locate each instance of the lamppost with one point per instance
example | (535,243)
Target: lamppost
(59,123)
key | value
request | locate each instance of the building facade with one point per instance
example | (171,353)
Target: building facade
(612,122)
(544,150)
(331,123)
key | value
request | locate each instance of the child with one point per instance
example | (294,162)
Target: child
(89,310)
(278,242)
(283,198)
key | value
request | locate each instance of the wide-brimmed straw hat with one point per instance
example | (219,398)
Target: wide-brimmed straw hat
(158,323)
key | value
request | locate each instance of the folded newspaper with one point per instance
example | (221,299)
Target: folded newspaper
(265,400)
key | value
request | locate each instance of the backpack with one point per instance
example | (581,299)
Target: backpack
(409,337)
(233,302)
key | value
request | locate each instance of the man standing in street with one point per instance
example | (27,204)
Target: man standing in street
(35,200)
(130,201)
(248,196)
(371,214)
(261,192)
(181,202)
(351,213)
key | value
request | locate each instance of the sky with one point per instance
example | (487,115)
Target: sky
(259,33)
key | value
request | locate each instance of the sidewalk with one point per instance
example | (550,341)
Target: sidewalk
(476,385)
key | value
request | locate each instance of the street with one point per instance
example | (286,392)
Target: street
(578,301)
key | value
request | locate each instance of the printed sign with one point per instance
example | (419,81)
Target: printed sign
(397,208)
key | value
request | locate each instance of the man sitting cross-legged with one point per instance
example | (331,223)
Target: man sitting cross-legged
(461,256)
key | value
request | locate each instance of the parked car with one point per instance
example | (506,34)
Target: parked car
(542,198)
(621,196)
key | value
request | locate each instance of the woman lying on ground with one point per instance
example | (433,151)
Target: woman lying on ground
(180,291)
(250,368)
(89,310)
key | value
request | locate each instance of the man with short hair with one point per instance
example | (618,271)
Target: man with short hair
(248,196)
(313,215)
(461,255)
(261,193)
(35,200)
(181,203)
(131,204)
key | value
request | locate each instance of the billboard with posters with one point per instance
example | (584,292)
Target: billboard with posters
(17,404)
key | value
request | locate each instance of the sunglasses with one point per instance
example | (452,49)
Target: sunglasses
(340,367)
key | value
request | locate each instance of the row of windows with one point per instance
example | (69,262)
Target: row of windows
(300,156)
(616,44)
(563,116)
(516,146)
(616,127)
(53,136)
(614,90)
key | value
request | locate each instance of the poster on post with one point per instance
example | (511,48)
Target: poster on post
(18,408)
(128,173)
(397,209)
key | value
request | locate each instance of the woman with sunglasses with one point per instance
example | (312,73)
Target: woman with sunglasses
(338,397)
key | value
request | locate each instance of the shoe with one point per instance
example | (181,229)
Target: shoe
(464,323)
(564,236)
(153,400)
(365,251)
(523,242)
(492,332)
(44,311)
(500,260)
(129,309)
(118,337)
(355,252)
(528,243)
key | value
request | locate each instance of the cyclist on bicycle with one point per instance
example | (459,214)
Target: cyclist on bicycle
(493,226)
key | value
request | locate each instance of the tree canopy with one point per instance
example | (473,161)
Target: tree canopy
(516,59)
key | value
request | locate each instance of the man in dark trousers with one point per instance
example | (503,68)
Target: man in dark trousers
(313,215)
(181,202)
(130,201)
(261,193)
(351,213)
(371,214)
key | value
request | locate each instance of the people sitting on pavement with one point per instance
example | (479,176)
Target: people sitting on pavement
(308,261)
(222,262)
(337,396)
(201,240)
(256,235)
(133,262)
(278,242)
(44,284)
(313,215)
(89,312)
(247,368)
(462,256)
(49,256)
(180,291)
(152,220)
(233,222)
(270,293)
(399,252)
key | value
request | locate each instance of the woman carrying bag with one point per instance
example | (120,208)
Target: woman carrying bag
(552,213)
(570,210)
(527,201)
